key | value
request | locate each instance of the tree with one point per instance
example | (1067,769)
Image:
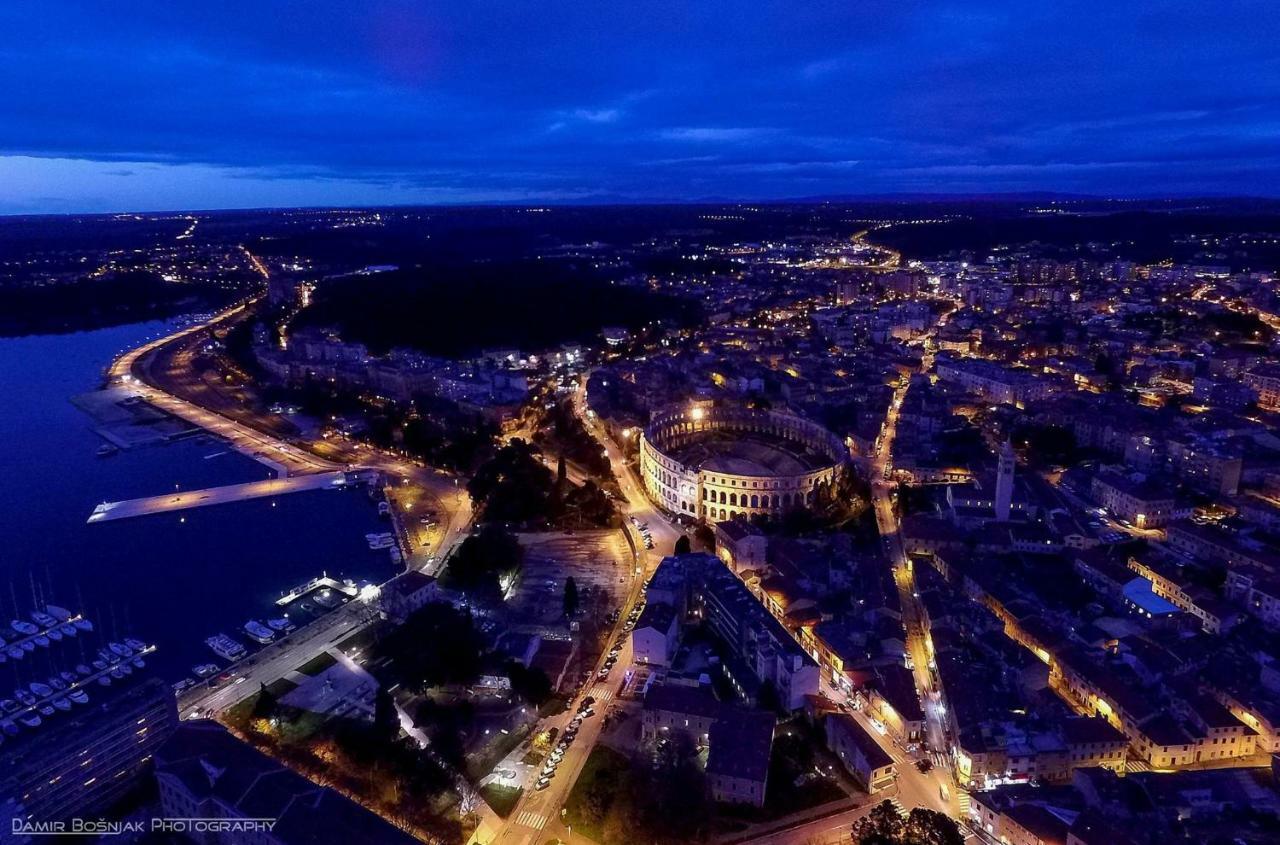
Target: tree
(265,706)
(485,558)
(570,597)
(930,827)
(530,683)
(683,546)
(386,719)
(884,826)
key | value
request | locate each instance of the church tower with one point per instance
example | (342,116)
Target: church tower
(1004,481)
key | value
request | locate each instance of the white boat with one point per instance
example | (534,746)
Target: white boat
(40,640)
(206,670)
(59,613)
(104,680)
(120,649)
(31,720)
(326,598)
(281,624)
(62,704)
(54,634)
(138,662)
(24,696)
(43,619)
(83,624)
(9,728)
(79,696)
(259,632)
(135,644)
(41,690)
(45,709)
(69,630)
(225,647)
(184,685)
(14,652)
(24,627)
(57,683)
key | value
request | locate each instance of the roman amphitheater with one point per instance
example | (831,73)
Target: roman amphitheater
(712,462)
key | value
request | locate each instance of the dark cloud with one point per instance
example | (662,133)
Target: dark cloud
(313,99)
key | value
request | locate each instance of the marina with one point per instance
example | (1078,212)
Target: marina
(235,558)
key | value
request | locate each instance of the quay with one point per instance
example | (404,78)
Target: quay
(182,500)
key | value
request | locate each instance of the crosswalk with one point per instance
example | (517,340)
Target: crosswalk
(962,798)
(528,818)
(602,693)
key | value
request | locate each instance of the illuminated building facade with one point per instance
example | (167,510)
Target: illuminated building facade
(713,462)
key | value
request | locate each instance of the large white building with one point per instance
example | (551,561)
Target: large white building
(712,461)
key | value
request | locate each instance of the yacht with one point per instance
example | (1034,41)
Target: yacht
(205,670)
(225,647)
(61,614)
(257,631)
(24,627)
(281,624)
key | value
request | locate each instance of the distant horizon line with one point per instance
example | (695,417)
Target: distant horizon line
(623,202)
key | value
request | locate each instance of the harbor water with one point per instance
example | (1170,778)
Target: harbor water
(171,579)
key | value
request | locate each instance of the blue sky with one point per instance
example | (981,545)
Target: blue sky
(179,105)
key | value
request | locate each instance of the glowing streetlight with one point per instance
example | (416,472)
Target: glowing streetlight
(697,414)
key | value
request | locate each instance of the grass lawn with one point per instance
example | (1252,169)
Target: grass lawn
(501,798)
(602,762)
(317,664)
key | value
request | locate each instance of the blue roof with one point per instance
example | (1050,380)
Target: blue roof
(1138,592)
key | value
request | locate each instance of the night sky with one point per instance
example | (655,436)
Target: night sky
(140,105)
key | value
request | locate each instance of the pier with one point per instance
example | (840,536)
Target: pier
(183,500)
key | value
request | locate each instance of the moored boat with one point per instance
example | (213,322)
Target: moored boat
(259,632)
(225,647)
